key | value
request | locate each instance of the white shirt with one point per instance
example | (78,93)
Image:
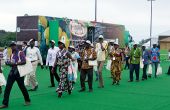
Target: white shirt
(34,54)
(101,55)
(51,56)
(5,54)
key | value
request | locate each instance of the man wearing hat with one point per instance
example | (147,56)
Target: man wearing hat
(50,60)
(101,48)
(33,54)
(135,55)
(14,76)
(87,55)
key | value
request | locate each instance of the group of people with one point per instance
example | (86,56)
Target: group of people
(87,59)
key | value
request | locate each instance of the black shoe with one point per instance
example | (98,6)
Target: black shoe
(149,76)
(36,87)
(59,95)
(113,82)
(100,86)
(3,106)
(69,92)
(82,90)
(51,86)
(31,90)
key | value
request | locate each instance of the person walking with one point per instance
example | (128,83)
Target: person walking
(155,58)
(87,55)
(101,49)
(50,60)
(127,52)
(146,61)
(33,54)
(24,47)
(116,65)
(135,55)
(14,76)
(63,61)
(73,67)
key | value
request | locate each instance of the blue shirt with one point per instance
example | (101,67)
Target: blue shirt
(155,55)
(145,57)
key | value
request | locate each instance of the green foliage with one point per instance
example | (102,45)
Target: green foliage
(143,41)
(6,38)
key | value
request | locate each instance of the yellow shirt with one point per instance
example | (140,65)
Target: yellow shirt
(101,55)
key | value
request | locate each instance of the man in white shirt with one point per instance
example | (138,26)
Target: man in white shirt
(50,60)
(101,48)
(33,54)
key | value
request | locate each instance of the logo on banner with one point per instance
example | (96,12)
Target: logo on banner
(78,29)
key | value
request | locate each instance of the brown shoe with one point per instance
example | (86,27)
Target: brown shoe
(27,103)
(3,106)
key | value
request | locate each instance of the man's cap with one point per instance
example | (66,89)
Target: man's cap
(13,43)
(101,37)
(88,42)
(52,41)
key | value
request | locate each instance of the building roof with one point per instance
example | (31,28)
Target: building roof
(165,39)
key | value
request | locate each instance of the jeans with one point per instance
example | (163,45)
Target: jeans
(156,67)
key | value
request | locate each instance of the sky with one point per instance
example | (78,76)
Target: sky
(134,14)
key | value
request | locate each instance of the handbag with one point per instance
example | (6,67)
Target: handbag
(108,66)
(141,63)
(2,80)
(149,70)
(159,70)
(26,68)
(92,62)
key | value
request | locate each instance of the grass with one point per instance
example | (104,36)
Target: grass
(153,94)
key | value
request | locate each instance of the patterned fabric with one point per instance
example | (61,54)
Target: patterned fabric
(155,55)
(16,56)
(63,62)
(116,65)
(86,54)
(146,57)
(135,55)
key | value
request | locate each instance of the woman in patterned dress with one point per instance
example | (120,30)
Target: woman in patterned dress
(116,65)
(63,61)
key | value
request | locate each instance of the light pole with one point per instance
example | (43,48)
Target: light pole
(151,22)
(95,10)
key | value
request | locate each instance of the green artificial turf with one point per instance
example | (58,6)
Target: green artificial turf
(153,94)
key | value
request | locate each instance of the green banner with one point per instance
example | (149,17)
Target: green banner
(54,27)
